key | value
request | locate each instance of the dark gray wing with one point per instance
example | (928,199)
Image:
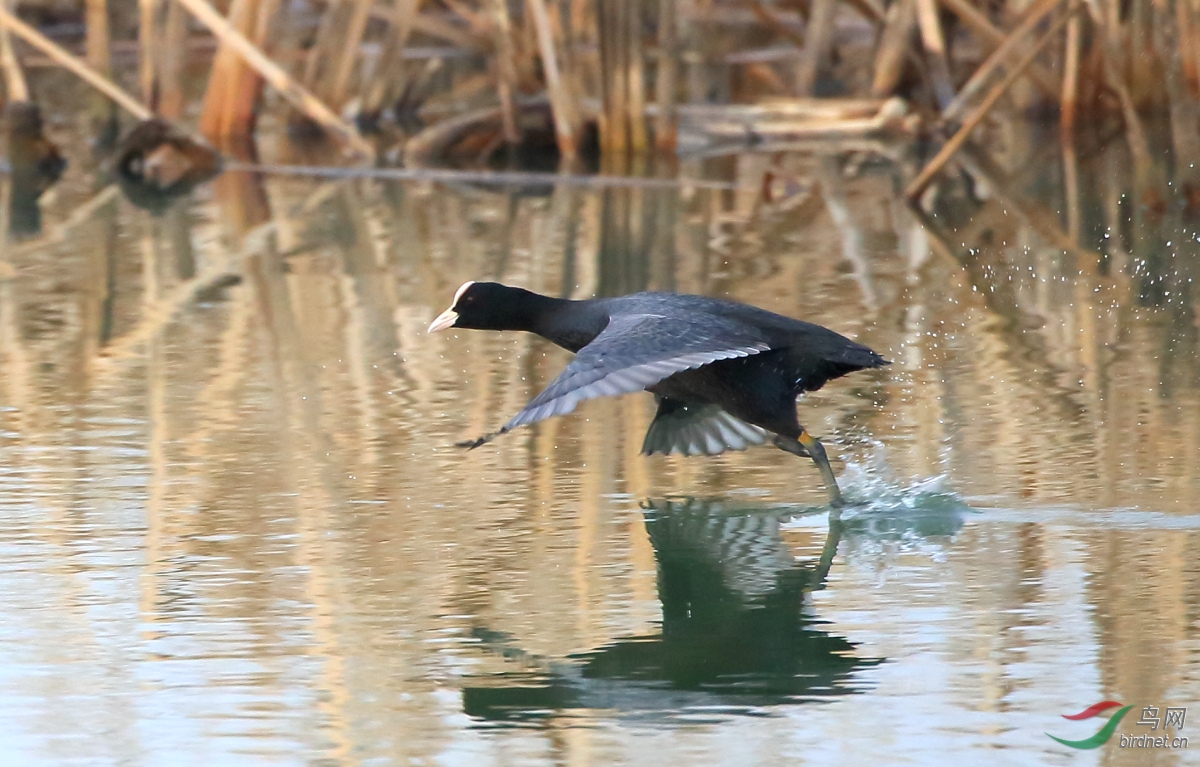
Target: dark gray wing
(637,351)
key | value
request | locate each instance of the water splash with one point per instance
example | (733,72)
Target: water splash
(883,511)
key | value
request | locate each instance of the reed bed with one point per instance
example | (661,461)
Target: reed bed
(630,79)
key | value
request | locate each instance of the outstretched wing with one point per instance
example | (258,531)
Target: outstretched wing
(637,351)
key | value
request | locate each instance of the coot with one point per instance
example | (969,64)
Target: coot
(726,375)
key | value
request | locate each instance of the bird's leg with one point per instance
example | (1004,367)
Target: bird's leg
(471,444)
(807,446)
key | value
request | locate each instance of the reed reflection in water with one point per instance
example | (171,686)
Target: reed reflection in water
(236,531)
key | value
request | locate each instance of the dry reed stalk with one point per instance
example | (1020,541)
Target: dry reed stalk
(316,59)
(15,87)
(638,140)
(614,123)
(561,102)
(887,117)
(1142,63)
(440,30)
(1070,84)
(506,68)
(990,38)
(421,148)
(870,10)
(387,79)
(1012,43)
(1135,133)
(149,42)
(353,41)
(899,26)
(170,69)
(292,91)
(69,62)
(934,41)
(918,184)
(832,109)
(330,62)
(233,87)
(1188,45)
(97,41)
(764,14)
(665,74)
(818,44)
(622,73)
(1182,108)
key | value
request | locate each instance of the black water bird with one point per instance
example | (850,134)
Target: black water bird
(726,375)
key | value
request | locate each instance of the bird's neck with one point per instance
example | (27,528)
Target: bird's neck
(569,324)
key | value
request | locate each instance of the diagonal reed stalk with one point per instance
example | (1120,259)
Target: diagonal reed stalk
(1007,49)
(69,62)
(15,87)
(292,91)
(918,184)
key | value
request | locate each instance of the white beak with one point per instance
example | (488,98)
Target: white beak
(444,320)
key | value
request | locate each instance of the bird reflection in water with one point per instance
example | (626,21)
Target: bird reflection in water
(736,634)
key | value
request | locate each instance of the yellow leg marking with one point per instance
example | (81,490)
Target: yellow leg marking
(807,440)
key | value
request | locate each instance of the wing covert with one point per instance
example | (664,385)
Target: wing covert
(637,351)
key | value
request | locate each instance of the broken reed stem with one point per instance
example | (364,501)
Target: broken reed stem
(169,80)
(918,184)
(935,45)
(766,16)
(636,71)
(384,85)
(149,40)
(818,42)
(1070,85)
(977,80)
(360,15)
(1135,133)
(103,115)
(610,30)
(506,70)
(561,103)
(96,24)
(893,49)
(15,87)
(69,62)
(992,38)
(292,91)
(234,90)
(665,122)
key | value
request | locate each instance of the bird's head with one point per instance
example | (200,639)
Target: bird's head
(484,306)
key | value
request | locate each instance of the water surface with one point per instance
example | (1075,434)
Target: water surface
(236,530)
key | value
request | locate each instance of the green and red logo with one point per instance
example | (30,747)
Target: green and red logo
(1105,732)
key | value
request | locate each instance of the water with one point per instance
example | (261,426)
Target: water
(236,531)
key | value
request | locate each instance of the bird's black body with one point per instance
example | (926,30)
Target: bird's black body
(725,373)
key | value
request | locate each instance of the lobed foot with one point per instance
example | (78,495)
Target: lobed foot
(807,446)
